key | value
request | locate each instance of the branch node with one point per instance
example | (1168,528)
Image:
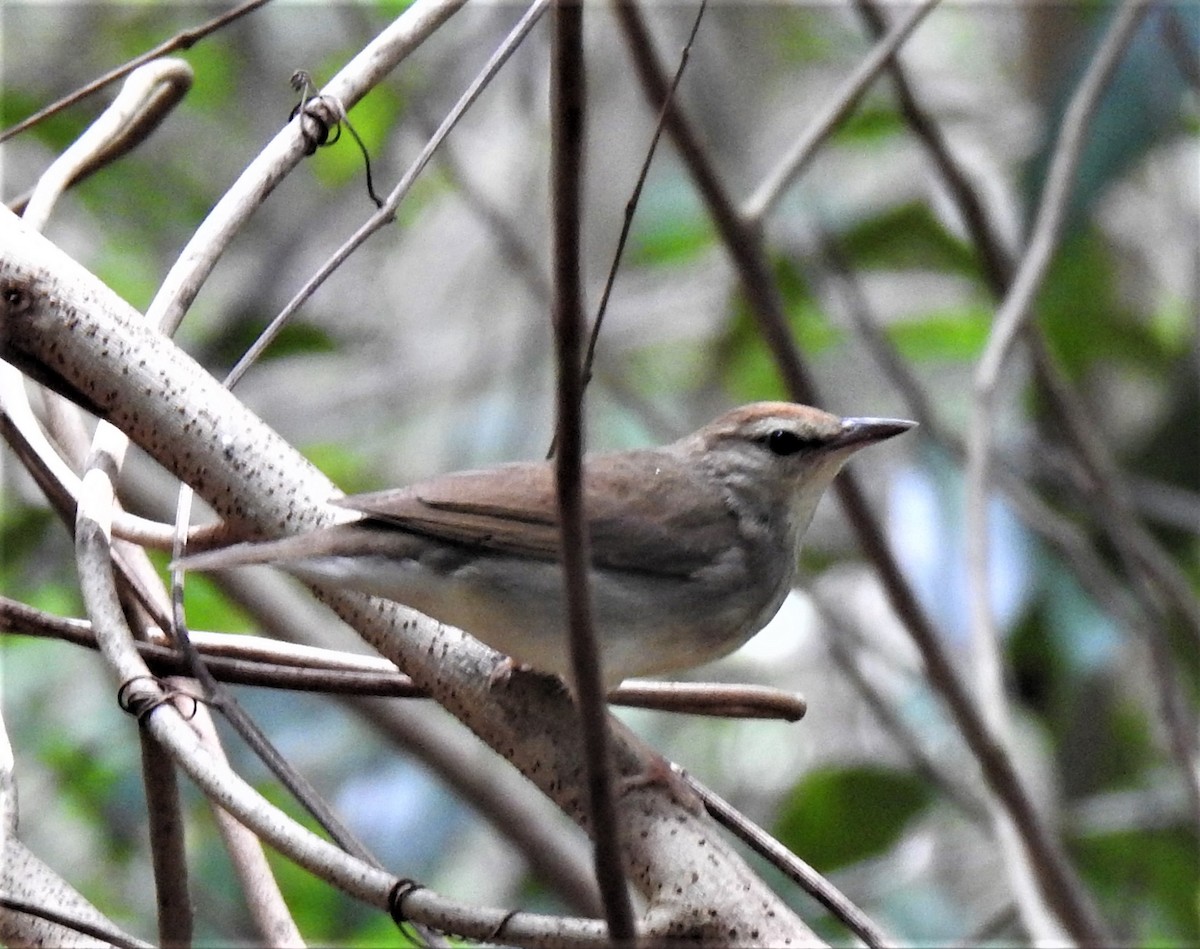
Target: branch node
(141,703)
(401,890)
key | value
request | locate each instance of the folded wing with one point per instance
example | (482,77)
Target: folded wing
(513,510)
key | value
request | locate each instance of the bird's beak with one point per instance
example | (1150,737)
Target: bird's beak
(860,432)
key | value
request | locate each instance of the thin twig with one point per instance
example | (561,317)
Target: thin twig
(1062,533)
(284,153)
(1123,527)
(635,197)
(796,869)
(567,111)
(141,94)
(263,899)
(168,851)
(219,697)
(250,732)
(533,726)
(998,272)
(1176,36)
(361,880)
(146,97)
(60,485)
(248,660)
(168,80)
(106,934)
(712,699)
(844,644)
(1052,207)
(1142,555)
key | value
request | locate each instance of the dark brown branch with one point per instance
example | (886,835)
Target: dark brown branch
(567,102)
(168,851)
(1141,555)
(241,667)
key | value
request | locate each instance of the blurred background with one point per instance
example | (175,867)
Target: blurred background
(430,350)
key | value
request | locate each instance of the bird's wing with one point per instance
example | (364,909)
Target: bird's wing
(513,509)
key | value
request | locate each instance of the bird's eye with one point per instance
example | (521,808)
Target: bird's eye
(782,442)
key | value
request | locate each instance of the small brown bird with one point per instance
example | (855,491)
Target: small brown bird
(693,544)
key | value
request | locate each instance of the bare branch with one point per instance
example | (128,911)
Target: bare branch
(265,902)
(568,104)
(167,846)
(387,212)
(1052,207)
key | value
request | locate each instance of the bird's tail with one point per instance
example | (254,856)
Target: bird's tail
(322,542)
(340,540)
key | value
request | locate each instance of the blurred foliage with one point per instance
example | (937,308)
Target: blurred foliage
(837,817)
(342,465)
(907,236)
(1148,876)
(871,124)
(670,227)
(956,335)
(432,334)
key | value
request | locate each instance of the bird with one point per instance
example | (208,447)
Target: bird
(694,544)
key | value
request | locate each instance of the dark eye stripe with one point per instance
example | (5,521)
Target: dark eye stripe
(783,442)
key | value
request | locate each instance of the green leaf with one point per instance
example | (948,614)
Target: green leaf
(348,469)
(392,8)
(206,607)
(751,371)
(800,37)
(31,541)
(870,125)
(1147,880)
(838,816)
(237,335)
(673,366)
(1077,306)
(56,132)
(669,225)
(908,236)
(381,932)
(669,241)
(216,66)
(946,335)
(1086,322)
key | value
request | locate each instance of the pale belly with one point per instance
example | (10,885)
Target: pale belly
(645,625)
